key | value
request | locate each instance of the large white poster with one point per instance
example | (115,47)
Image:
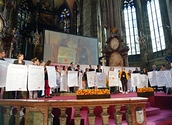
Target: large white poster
(161,79)
(91,79)
(152,78)
(3,73)
(51,76)
(101,80)
(113,78)
(135,79)
(63,82)
(168,77)
(16,78)
(35,77)
(72,78)
(80,81)
(143,81)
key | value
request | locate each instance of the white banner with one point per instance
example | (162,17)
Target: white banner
(161,79)
(91,79)
(35,78)
(135,79)
(16,78)
(72,78)
(80,81)
(152,78)
(168,77)
(3,73)
(51,76)
(143,81)
(63,81)
(101,80)
(113,78)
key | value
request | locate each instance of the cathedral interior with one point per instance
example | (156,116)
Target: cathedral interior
(134,33)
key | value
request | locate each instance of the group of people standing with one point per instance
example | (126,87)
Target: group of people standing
(29,94)
(65,70)
(124,77)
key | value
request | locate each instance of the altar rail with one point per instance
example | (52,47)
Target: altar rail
(39,112)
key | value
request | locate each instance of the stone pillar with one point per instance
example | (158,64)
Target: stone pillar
(50,116)
(118,115)
(91,115)
(105,115)
(63,116)
(128,114)
(7,115)
(19,115)
(77,116)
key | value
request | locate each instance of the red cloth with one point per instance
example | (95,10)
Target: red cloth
(47,88)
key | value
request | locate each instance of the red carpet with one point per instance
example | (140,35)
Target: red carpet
(158,110)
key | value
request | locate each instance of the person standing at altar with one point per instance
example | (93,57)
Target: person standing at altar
(163,68)
(34,94)
(41,63)
(112,88)
(2,55)
(79,71)
(58,75)
(153,68)
(47,87)
(63,80)
(129,81)
(19,61)
(71,67)
(136,71)
(145,72)
(98,68)
(91,69)
(124,79)
(84,79)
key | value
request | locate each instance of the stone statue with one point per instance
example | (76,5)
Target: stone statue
(36,38)
(146,56)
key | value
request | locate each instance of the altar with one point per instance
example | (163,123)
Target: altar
(40,111)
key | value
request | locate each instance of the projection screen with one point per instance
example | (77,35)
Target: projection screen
(65,48)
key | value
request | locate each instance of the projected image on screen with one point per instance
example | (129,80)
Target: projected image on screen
(66,48)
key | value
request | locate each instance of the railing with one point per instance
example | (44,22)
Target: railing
(32,115)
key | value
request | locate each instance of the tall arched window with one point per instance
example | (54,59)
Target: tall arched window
(131,27)
(156,28)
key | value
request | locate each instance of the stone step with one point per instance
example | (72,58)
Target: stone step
(152,111)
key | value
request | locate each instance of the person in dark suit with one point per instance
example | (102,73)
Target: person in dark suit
(98,68)
(71,67)
(91,69)
(136,70)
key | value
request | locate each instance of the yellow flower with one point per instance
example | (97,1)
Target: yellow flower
(93,92)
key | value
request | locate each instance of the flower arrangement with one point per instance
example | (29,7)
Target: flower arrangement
(93,92)
(145,89)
